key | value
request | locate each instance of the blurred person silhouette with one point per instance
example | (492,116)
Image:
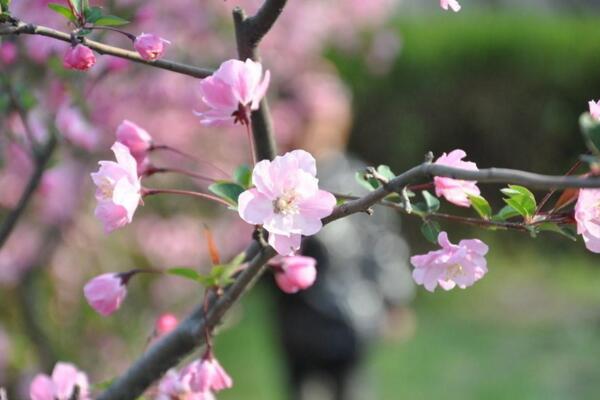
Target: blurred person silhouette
(362,270)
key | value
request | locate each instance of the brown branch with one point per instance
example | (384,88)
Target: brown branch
(19,27)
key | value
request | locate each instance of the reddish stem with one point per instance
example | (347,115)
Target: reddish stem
(154,147)
(550,193)
(251,140)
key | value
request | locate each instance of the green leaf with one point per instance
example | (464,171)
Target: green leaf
(62,10)
(227,190)
(590,128)
(481,206)
(369,184)
(186,273)
(110,20)
(567,232)
(505,213)
(243,176)
(93,14)
(431,230)
(386,172)
(520,199)
(432,202)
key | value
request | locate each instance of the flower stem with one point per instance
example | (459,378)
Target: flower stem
(154,147)
(206,196)
(251,140)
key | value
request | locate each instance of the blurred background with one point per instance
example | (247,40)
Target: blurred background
(503,80)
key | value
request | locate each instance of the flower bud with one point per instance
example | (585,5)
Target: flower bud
(105,293)
(137,140)
(296,273)
(149,46)
(79,57)
(165,324)
(210,376)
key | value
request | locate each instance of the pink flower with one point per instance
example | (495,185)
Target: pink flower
(149,46)
(595,109)
(61,385)
(165,324)
(8,53)
(178,386)
(209,375)
(73,126)
(233,91)
(456,191)
(462,264)
(79,57)
(105,293)
(587,215)
(453,4)
(137,140)
(118,189)
(286,200)
(296,273)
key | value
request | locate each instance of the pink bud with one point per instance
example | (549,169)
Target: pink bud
(453,4)
(8,53)
(595,109)
(137,140)
(150,46)
(297,272)
(165,324)
(210,376)
(79,57)
(105,293)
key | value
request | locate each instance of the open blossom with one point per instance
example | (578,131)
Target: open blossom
(176,386)
(452,265)
(118,189)
(296,273)
(286,200)
(65,380)
(209,375)
(456,191)
(137,140)
(105,293)
(79,57)
(233,91)
(595,109)
(453,4)
(149,46)
(587,215)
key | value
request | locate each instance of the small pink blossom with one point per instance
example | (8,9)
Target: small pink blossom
(296,273)
(456,191)
(233,91)
(137,140)
(210,376)
(453,4)
(595,109)
(8,53)
(165,323)
(118,189)
(587,215)
(286,200)
(149,46)
(65,380)
(73,126)
(452,265)
(176,385)
(79,57)
(105,293)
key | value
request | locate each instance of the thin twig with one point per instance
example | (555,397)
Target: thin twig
(20,27)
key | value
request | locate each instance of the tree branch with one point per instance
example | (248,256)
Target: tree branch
(19,27)
(41,158)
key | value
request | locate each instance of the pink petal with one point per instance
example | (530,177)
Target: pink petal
(254,207)
(285,245)
(41,388)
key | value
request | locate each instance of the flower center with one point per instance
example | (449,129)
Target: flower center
(286,204)
(453,271)
(106,188)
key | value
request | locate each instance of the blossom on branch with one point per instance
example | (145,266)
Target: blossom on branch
(66,383)
(453,4)
(209,375)
(587,215)
(176,385)
(118,189)
(149,46)
(286,200)
(232,92)
(453,265)
(296,273)
(106,292)
(79,57)
(456,191)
